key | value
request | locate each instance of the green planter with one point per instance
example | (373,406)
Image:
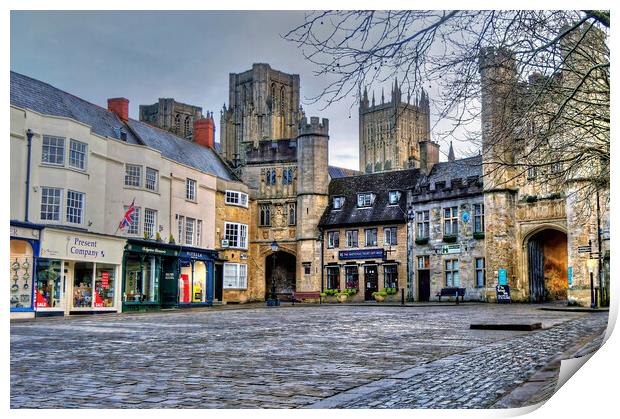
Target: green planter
(449,239)
(479,235)
(422,241)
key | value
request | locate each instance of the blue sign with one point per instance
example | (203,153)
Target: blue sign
(465,216)
(570,276)
(361,254)
(502,277)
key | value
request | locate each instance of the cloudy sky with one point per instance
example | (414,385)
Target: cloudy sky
(185,55)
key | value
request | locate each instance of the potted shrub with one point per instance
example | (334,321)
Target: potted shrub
(379,296)
(342,296)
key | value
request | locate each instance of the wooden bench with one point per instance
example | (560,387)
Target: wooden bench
(452,292)
(300,296)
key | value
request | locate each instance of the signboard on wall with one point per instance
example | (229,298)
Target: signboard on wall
(83,247)
(450,249)
(570,276)
(361,254)
(502,277)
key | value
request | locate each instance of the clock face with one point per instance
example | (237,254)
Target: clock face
(465,216)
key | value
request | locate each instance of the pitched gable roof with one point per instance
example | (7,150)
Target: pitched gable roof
(43,98)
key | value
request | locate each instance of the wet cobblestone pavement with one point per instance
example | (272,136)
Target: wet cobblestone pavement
(287,357)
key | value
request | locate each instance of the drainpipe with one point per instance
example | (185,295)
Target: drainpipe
(29,134)
(322,263)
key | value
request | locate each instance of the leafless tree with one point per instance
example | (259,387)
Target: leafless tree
(556,116)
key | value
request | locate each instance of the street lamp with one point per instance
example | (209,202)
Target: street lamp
(273,300)
(591,265)
(410,218)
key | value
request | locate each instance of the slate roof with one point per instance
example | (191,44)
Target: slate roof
(464,169)
(380,212)
(41,97)
(46,99)
(338,172)
(181,150)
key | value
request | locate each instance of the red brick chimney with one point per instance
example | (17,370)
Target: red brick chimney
(120,106)
(204,131)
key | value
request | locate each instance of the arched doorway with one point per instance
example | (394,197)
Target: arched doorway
(285,266)
(547,254)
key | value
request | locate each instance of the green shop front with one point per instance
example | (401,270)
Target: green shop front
(160,275)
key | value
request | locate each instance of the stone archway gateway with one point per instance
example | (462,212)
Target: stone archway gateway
(285,270)
(547,256)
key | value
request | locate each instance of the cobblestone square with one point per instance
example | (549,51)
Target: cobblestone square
(288,357)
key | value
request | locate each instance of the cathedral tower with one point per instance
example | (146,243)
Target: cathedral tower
(263,104)
(390,133)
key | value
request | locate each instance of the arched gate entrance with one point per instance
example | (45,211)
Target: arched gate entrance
(285,267)
(547,254)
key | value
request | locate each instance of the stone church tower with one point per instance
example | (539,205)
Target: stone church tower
(283,159)
(263,104)
(172,116)
(395,135)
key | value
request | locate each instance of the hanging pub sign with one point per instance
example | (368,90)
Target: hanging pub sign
(503,294)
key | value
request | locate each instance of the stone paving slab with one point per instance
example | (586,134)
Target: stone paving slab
(285,357)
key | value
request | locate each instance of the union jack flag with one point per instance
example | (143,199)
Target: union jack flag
(127,221)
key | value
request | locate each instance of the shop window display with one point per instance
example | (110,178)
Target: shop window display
(105,279)
(192,283)
(82,285)
(142,278)
(21,265)
(48,286)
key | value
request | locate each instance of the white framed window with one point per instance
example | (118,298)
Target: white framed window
(75,207)
(450,221)
(393,197)
(338,202)
(351,238)
(236,234)
(237,198)
(77,154)
(451,272)
(181,227)
(235,276)
(151,181)
(371,237)
(190,189)
(133,175)
(333,239)
(134,228)
(190,224)
(365,199)
(423,224)
(198,232)
(150,222)
(53,151)
(51,199)
(390,236)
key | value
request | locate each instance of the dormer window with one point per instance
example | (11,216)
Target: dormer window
(365,199)
(394,197)
(338,202)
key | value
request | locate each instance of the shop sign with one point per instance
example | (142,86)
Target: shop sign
(25,233)
(188,254)
(361,254)
(80,247)
(152,250)
(570,276)
(450,249)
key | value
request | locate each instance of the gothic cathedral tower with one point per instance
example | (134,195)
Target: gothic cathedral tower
(395,135)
